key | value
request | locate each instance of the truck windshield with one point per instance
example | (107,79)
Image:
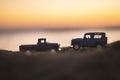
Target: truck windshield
(41,41)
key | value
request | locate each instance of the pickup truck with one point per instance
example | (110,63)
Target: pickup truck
(91,39)
(41,45)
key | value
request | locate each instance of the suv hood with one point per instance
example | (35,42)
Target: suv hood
(77,39)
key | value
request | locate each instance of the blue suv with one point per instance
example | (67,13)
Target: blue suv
(91,39)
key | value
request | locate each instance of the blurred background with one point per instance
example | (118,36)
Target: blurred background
(24,21)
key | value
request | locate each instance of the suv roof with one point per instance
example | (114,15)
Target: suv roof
(95,33)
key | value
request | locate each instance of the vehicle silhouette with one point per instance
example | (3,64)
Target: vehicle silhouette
(42,45)
(91,39)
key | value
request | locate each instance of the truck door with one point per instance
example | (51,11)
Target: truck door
(41,46)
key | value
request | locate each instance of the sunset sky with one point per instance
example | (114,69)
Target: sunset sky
(59,13)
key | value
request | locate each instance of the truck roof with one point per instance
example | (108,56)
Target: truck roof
(42,39)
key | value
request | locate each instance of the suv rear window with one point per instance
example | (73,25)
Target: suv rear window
(97,36)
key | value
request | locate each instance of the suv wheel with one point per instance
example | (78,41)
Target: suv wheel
(76,47)
(99,47)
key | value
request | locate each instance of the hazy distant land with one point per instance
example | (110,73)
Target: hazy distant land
(85,64)
(19,30)
(20,36)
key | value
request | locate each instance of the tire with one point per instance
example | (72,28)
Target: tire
(27,52)
(99,47)
(53,51)
(76,47)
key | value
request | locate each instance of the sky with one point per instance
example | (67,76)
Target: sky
(59,13)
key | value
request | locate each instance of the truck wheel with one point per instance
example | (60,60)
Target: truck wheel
(76,47)
(27,52)
(53,51)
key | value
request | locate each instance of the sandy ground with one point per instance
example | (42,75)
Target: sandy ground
(84,64)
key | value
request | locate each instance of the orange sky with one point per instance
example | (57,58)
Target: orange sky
(59,13)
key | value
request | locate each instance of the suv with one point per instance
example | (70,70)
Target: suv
(92,39)
(41,45)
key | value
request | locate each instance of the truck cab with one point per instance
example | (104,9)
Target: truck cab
(91,39)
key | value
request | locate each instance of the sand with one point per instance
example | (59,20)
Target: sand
(84,64)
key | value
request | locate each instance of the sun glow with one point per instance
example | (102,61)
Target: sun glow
(59,13)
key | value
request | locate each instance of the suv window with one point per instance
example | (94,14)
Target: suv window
(97,36)
(88,36)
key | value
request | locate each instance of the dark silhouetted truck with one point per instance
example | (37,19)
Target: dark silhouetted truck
(41,45)
(92,39)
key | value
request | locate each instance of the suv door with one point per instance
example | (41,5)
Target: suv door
(87,40)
